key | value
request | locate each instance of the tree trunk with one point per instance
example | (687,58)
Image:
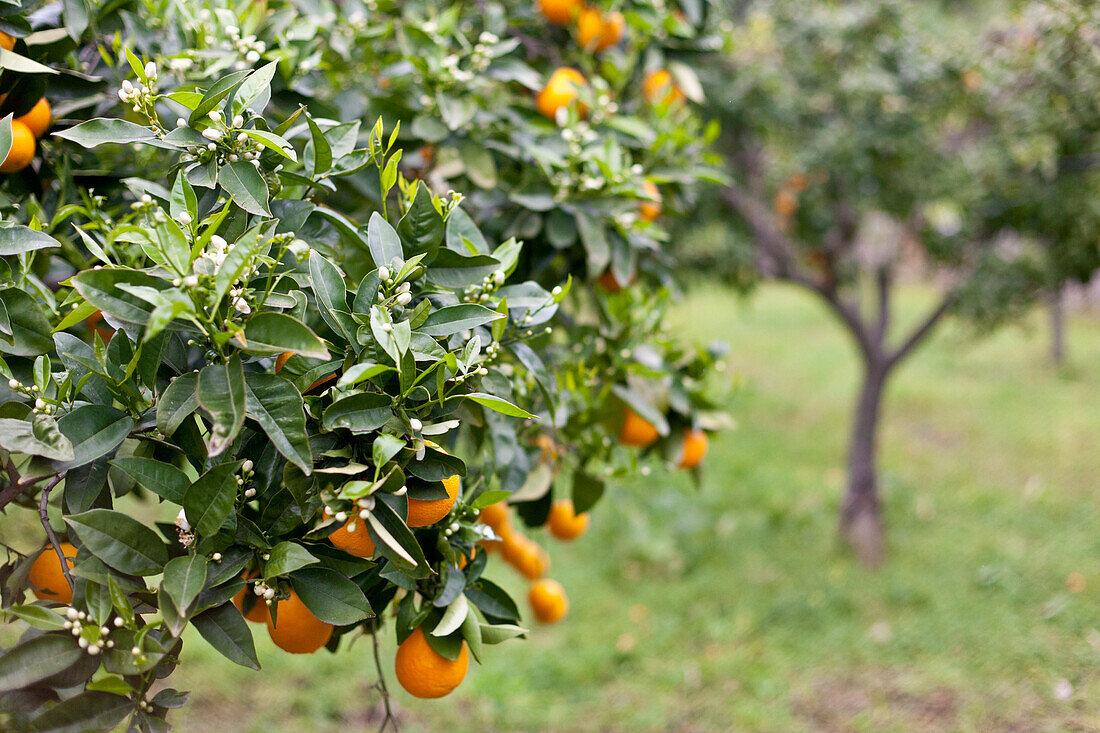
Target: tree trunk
(861,517)
(1058,327)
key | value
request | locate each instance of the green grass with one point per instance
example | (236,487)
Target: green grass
(733,607)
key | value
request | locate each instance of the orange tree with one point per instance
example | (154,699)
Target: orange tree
(859,155)
(220,298)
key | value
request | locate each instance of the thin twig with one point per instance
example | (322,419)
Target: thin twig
(381,684)
(44,514)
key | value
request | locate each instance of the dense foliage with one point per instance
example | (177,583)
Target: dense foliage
(227,294)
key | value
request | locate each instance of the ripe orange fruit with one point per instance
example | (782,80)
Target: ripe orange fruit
(560,12)
(659,88)
(650,210)
(6,42)
(425,512)
(355,541)
(636,430)
(785,202)
(38,119)
(797,182)
(564,522)
(46,577)
(532,562)
(548,601)
(426,673)
(297,631)
(258,613)
(597,32)
(610,283)
(693,448)
(495,516)
(564,86)
(281,360)
(22,148)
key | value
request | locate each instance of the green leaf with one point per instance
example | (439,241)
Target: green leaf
(120,541)
(184,578)
(37,659)
(331,292)
(382,239)
(221,393)
(359,413)
(241,253)
(331,597)
(496,633)
(94,431)
(19,239)
(101,131)
(452,319)
(248,188)
(38,617)
(421,228)
(360,372)
(396,542)
(453,617)
(322,152)
(461,227)
(28,324)
(177,401)
(100,288)
(256,84)
(271,141)
(385,447)
(224,628)
(455,270)
(277,406)
(163,479)
(587,490)
(40,438)
(276,333)
(218,91)
(498,404)
(92,710)
(286,557)
(209,501)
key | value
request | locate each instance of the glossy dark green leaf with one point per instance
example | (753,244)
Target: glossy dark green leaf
(277,333)
(218,91)
(244,183)
(163,479)
(452,319)
(92,710)
(359,413)
(120,541)
(184,578)
(421,228)
(94,431)
(37,659)
(41,437)
(101,130)
(286,557)
(221,392)
(177,401)
(28,324)
(17,239)
(330,596)
(100,288)
(224,628)
(276,405)
(209,501)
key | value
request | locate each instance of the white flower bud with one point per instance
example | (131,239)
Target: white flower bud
(218,241)
(146,198)
(180,122)
(252,57)
(39,404)
(216,557)
(184,218)
(151,70)
(127,87)
(119,621)
(238,121)
(387,327)
(215,115)
(14,384)
(416,425)
(404,298)
(247,466)
(71,614)
(242,137)
(383,273)
(341,516)
(212,134)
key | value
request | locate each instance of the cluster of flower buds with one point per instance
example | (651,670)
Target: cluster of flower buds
(248,46)
(247,472)
(489,285)
(183,528)
(91,639)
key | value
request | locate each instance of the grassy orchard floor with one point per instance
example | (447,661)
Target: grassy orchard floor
(732,607)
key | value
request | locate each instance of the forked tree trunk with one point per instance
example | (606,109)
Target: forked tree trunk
(861,515)
(1058,327)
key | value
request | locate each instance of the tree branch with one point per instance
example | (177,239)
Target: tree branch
(883,280)
(381,684)
(44,515)
(922,330)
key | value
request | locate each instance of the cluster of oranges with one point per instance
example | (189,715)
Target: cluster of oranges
(25,129)
(596,30)
(547,597)
(638,432)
